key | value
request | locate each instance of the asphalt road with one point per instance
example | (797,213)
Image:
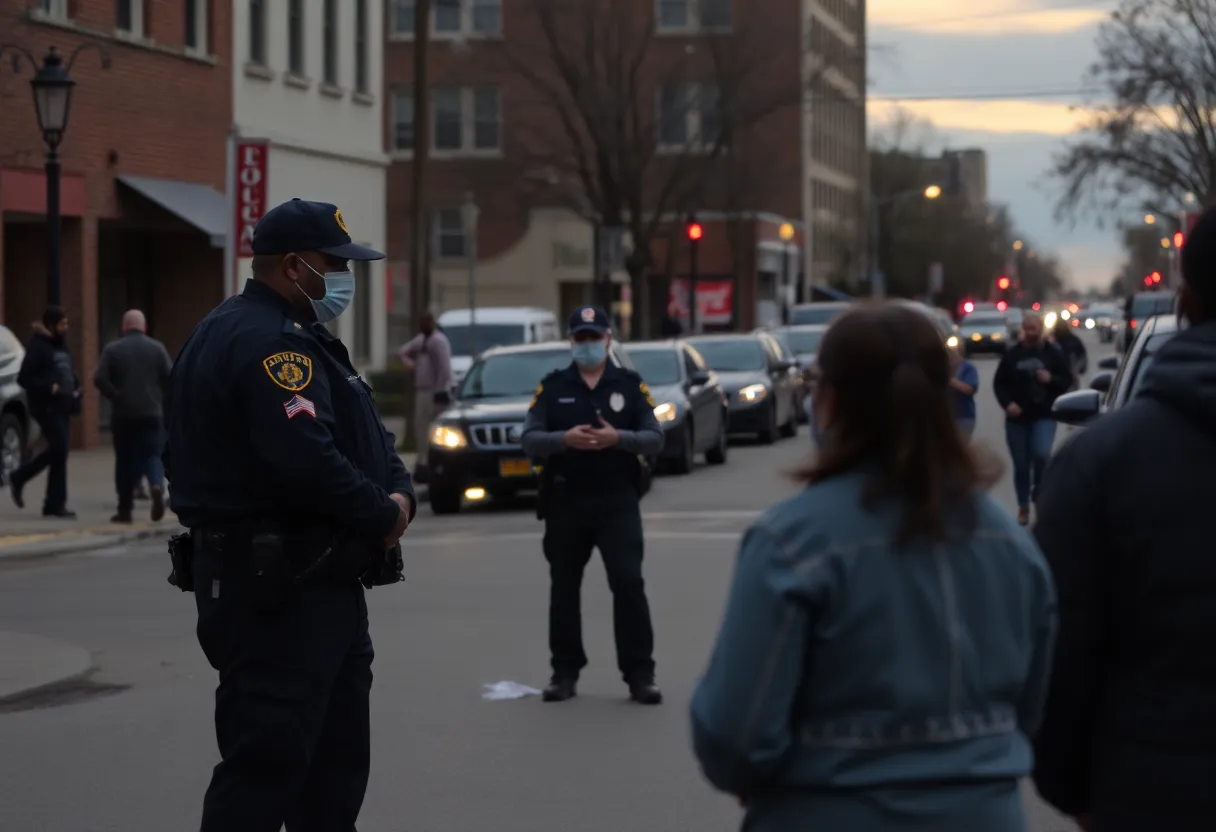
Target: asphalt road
(134,749)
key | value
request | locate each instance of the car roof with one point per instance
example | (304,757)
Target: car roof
(823,304)
(1162,324)
(803,328)
(726,336)
(524,349)
(496,315)
(670,343)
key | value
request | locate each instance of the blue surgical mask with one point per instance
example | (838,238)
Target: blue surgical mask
(339,292)
(589,354)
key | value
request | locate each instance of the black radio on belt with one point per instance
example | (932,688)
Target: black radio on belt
(181,555)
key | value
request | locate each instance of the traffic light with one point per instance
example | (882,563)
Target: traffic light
(695,231)
(1001,306)
(1178,239)
(968,307)
(1148,280)
(1002,283)
(1155,277)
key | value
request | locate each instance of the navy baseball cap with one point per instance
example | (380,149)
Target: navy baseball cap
(301,225)
(589,319)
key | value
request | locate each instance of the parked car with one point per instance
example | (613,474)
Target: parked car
(820,312)
(801,343)
(1120,379)
(1101,318)
(759,382)
(1140,307)
(984,332)
(475,449)
(689,402)
(18,431)
(471,331)
(943,322)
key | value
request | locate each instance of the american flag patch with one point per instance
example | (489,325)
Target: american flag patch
(297,405)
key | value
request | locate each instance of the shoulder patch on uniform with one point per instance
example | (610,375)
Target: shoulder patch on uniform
(290,370)
(540,388)
(646,392)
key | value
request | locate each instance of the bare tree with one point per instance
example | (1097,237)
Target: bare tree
(1152,140)
(638,122)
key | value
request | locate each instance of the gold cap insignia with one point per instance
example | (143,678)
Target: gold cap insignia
(341,222)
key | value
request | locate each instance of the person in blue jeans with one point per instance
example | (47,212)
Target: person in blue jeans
(1031,375)
(964,384)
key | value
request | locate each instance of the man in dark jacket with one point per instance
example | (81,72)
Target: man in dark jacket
(1031,375)
(133,373)
(49,379)
(1073,348)
(1128,742)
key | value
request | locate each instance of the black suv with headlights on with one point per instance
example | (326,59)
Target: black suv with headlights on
(475,449)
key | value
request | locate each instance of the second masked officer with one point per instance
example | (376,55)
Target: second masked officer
(589,424)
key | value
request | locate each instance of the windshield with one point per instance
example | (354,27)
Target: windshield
(805,342)
(732,356)
(1095,311)
(1151,347)
(469,340)
(815,314)
(511,375)
(657,367)
(1146,306)
(984,319)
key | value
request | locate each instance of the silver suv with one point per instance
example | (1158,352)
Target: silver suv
(17,430)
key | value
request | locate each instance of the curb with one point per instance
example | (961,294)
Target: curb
(77,662)
(71,543)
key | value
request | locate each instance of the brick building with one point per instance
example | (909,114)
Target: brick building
(144,216)
(760,105)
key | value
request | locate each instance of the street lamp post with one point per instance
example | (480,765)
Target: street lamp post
(52,86)
(786,233)
(471,213)
(876,205)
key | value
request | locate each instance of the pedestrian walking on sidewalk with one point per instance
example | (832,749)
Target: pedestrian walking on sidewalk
(296,499)
(1128,741)
(428,355)
(884,652)
(590,423)
(1032,374)
(964,384)
(133,373)
(49,379)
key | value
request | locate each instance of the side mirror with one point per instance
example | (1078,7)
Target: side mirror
(698,379)
(784,366)
(1077,408)
(1110,362)
(1101,382)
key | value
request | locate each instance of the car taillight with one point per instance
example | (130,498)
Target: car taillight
(1132,324)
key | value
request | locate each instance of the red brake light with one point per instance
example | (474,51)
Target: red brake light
(968,307)
(1001,305)
(1132,324)
(1035,307)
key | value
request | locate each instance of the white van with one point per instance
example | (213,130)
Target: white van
(497,326)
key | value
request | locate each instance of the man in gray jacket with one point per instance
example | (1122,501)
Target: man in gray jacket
(132,373)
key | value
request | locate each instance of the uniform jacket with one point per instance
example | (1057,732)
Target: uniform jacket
(133,372)
(1124,512)
(267,419)
(48,362)
(844,663)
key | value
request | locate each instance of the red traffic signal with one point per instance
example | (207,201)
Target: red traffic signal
(1148,280)
(1001,306)
(968,307)
(695,231)
(1156,277)
(1002,283)
(1178,239)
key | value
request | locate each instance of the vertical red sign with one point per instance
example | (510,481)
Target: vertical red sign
(250,192)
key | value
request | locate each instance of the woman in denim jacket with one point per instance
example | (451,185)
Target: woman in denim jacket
(883,658)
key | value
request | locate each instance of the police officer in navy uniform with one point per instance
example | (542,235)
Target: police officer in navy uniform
(291,487)
(589,423)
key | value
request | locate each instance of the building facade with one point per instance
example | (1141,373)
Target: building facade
(307,92)
(719,124)
(143,169)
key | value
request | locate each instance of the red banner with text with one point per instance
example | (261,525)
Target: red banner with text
(715,300)
(251,192)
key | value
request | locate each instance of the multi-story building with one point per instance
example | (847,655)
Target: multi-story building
(143,213)
(963,174)
(729,115)
(308,96)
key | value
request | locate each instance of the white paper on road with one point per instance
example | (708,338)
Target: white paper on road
(507,690)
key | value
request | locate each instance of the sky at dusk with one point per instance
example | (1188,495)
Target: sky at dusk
(1001,75)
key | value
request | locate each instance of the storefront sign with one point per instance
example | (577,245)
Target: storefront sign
(715,300)
(250,192)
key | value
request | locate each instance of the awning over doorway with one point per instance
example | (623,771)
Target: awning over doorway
(200,205)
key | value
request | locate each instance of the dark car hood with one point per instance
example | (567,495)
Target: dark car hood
(982,329)
(733,382)
(510,409)
(1183,374)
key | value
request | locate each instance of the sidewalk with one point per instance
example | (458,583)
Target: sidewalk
(91,494)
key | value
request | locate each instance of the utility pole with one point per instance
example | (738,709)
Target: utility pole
(420,277)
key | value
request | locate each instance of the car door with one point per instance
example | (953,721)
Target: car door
(779,374)
(699,401)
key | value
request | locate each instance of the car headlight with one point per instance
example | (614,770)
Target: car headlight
(1049,320)
(446,436)
(996,336)
(1089,323)
(666,412)
(753,393)
(952,341)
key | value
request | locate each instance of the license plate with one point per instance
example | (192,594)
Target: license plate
(515,467)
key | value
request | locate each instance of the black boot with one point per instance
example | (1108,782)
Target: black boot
(560,689)
(644,691)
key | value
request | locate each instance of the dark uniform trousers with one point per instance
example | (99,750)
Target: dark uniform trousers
(574,525)
(292,708)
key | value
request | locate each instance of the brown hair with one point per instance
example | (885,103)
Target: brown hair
(888,372)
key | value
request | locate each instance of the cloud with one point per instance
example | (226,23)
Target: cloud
(1001,17)
(1042,117)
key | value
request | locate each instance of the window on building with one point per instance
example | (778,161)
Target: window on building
(467,119)
(689,114)
(448,119)
(694,15)
(54,8)
(486,18)
(361,46)
(330,41)
(401,17)
(709,113)
(364,303)
(295,37)
(403,119)
(487,119)
(450,238)
(674,110)
(445,16)
(257,32)
(129,17)
(197,21)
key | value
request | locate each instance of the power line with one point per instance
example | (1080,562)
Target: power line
(1084,5)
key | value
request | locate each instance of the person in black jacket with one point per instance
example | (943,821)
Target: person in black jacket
(49,379)
(1031,375)
(1073,348)
(1128,741)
